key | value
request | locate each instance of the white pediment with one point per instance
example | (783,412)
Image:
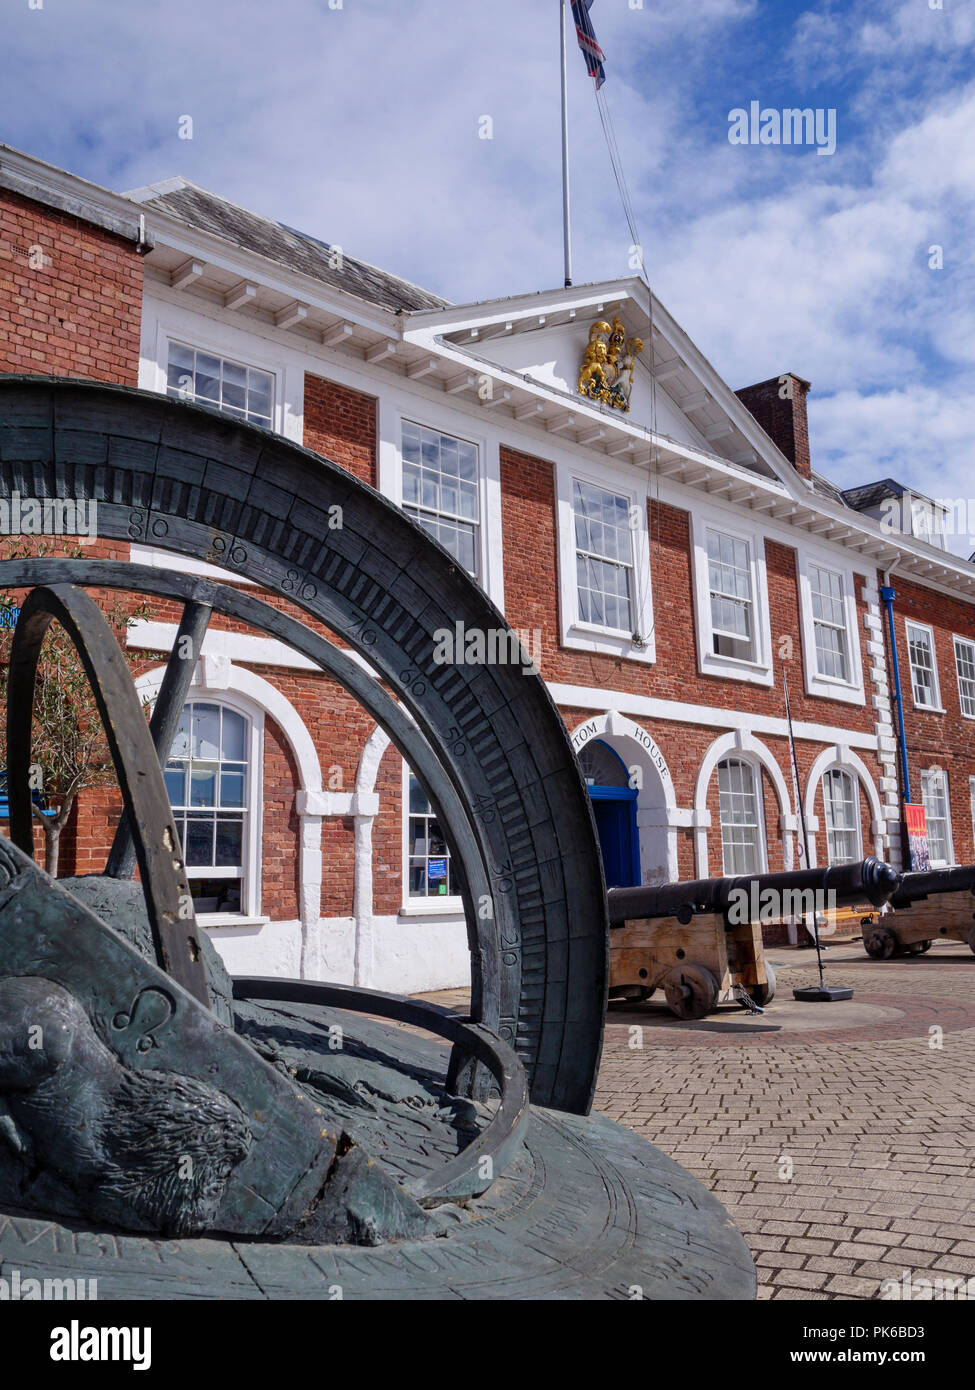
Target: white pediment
(676,393)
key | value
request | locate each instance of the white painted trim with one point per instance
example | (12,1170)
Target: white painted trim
(759,671)
(423,329)
(937,707)
(210,323)
(640,751)
(220,690)
(426,328)
(949,833)
(583,636)
(842,756)
(234,646)
(363,908)
(169,559)
(741,743)
(175,321)
(851,691)
(957,637)
(395,406)
(706,716)
(166,315)
(386,949)
(447,906)
(230,683)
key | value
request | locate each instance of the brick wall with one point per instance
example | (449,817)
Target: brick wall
(779,406)
(945,738)
(531,601)
(340,424)
(70,295)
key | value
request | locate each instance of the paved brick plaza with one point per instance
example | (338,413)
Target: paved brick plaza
(878,1124)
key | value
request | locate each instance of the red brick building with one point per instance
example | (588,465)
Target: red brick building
(669,569)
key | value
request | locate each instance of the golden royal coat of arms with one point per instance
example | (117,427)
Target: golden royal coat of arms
(606,374)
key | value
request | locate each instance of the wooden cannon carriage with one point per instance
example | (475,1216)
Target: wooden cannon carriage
(933,905)
(701,941)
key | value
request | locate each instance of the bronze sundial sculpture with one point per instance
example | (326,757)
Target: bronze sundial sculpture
(145,1097)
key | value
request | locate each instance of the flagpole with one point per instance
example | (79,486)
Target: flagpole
(566,230)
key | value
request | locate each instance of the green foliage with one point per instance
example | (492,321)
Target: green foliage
(69,746)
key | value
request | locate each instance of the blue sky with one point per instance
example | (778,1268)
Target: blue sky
(360,124)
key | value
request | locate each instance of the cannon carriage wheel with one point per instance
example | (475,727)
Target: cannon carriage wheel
(691,991)
(764,994)
(880,943)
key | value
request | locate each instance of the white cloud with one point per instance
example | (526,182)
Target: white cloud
(917,434)
(360,126)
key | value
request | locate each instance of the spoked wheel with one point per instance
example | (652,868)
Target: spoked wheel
(764,994)
(880,943)
(691,990)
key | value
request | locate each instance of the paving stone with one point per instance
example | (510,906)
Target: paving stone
(878,1126)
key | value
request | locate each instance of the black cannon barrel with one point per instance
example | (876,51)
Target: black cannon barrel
(918,885)
(868,880)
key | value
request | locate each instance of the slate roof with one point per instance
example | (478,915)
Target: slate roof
(287,247)
(872,494)
(827,489)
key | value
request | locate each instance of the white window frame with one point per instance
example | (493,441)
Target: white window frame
(758,671)
(857,812)
(479,445)
(251,884)
(166,318)
(419,907)
(964,642)
(949,839)
(591,637)
(588,553)
(735,755)
(224,359)
(168,314)
(397,407)
(937,707)
(850,691)
(165,322)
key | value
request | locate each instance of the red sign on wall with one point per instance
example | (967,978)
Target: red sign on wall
(917,837)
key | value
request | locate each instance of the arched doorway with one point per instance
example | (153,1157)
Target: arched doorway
(614,808)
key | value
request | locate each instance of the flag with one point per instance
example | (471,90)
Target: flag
(586,35)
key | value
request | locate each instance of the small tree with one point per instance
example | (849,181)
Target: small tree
(70,752)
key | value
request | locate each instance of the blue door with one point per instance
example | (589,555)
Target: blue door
(614,809)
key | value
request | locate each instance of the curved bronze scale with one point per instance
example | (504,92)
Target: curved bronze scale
(270,1151)
(484,740)
(138,1095)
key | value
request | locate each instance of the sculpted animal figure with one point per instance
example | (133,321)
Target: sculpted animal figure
(594,375)
(144,1150)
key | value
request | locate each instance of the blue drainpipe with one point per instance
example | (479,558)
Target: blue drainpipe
(888,596)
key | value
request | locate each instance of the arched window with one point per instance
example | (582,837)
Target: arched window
(841,801)
(602,767)
(429,857)
(742,828)
(210,785)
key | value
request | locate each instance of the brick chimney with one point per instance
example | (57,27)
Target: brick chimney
(779,406)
